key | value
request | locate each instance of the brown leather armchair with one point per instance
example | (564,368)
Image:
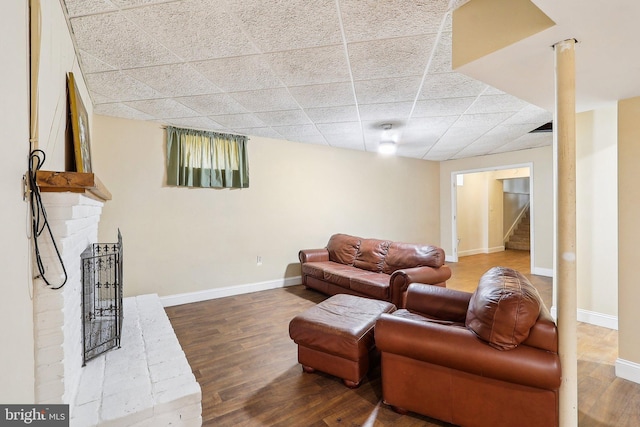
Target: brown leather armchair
(484,359)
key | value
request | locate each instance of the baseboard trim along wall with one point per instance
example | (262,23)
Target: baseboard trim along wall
(538,271)
(628,370)
(228,291)
(592,318)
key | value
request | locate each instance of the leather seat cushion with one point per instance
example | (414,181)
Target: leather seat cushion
(341,325)
(503,308)
(373,284)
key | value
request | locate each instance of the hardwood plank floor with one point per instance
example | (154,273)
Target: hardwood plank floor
(241,354)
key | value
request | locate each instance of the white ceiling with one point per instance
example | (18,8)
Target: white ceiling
(325,72)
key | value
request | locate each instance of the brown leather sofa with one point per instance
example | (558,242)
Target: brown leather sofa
(372,268)
(484,359)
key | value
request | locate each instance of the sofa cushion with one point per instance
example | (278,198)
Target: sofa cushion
(316,269)
(340,274)
(407,255)
(371,254)
(375,285)
(343,248)
(503,308)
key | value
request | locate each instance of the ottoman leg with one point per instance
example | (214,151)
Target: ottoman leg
(351,384)
(308,369)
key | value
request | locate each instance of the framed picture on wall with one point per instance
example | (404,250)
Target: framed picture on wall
(80,127)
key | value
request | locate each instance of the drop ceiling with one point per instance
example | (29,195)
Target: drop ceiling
(310,71)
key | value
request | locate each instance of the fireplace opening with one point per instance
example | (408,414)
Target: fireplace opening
(101,298)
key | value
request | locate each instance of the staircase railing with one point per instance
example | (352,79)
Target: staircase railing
(513,227)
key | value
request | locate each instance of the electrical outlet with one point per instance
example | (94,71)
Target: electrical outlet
(259,260)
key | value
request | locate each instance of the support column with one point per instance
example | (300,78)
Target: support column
(565,124)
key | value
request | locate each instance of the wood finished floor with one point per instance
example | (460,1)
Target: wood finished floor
(241,354)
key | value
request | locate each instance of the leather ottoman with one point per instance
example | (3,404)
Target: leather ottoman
(336,336)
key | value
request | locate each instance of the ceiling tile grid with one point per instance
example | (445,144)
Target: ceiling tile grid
(309,71)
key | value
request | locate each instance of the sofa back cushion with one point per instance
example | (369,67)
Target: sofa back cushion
(503,308)
(407,255)
(371,254)
(343,248)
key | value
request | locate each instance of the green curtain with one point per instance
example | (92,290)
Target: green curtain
(206,159)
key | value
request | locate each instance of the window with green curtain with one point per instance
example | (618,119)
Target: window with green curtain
(198,158)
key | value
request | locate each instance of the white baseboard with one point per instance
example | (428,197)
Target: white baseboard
(539,271)
(592,318)
(189,297)
(628,370)
(450,258)
(495,249)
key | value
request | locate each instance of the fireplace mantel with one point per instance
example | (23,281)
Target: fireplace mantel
(74,182)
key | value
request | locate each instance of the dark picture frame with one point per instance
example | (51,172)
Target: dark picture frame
(80,127)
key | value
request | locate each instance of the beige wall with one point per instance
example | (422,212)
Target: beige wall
(16,311)
(542,192)
(629,229)
(181,240)
(596,211)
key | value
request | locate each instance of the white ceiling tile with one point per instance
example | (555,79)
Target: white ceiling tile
(450,85)
(119,109)
(214,104)
(266,100)
(116,41)
(91,64)
(309,139)
(239,121)
(527,141)
(481,121)
(193,30)
(325,64)
(390,58)
(240,73)
(297,130)
(286,25)
(392,112)
(116,85)
(339,128)
(441,61)
(265,132)
(173,80)
(88,7)
(162,108)
(201,123)
(387,90)
(283,118)
(324,95)
(436,123)
(442,107)
(531,114)
(347,113)
(496,104)
(374,19)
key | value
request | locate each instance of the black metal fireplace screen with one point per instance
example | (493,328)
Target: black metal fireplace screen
(101,298)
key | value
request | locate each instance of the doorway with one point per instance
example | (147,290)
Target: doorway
(486,205)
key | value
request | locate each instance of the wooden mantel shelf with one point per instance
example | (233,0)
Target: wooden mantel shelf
(74,182)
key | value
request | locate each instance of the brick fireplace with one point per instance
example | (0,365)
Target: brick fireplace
(146,382)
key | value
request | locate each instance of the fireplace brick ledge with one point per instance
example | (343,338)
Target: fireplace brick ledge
(146,382)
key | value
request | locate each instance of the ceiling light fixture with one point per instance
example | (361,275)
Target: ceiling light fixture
(387,145)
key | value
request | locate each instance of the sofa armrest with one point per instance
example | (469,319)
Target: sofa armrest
(313,255)
(401,279)
(438,302)
(457,348)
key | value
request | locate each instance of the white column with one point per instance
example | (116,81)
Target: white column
(565,124)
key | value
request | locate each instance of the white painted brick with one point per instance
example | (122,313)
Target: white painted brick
(53,372)
(168,369)
(91,382)
(186,412)
(182,395)
(85,415)
(130,405)
(49,392)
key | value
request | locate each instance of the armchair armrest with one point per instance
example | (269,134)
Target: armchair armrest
(313,255)
(401,279)
(457,348)
(438,302)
